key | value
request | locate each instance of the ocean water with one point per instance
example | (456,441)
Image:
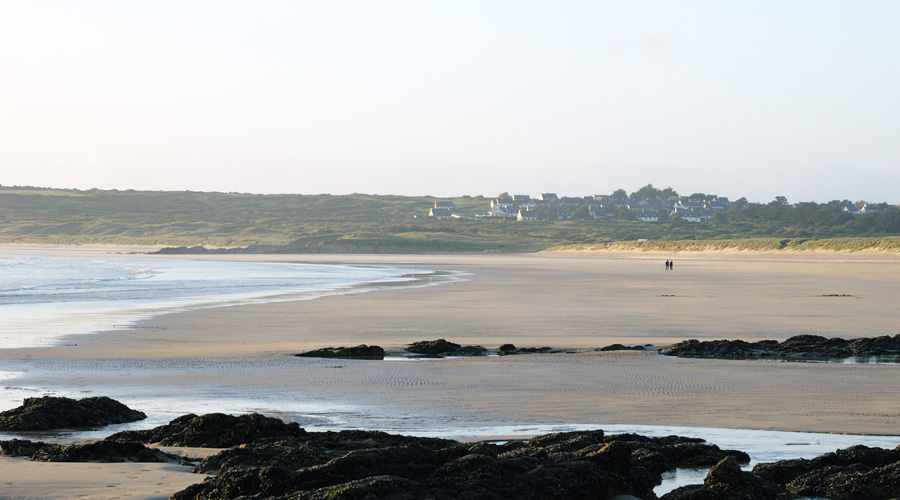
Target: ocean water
(45,298)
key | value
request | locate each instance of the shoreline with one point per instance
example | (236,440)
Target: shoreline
(569,302)
(156,481)
(64,323)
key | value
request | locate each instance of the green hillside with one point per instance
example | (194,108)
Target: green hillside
(397,224)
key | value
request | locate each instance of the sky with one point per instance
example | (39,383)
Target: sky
(448,98)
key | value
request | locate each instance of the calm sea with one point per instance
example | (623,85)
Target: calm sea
(44,298)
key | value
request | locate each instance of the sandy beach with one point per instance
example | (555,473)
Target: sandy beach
(238,359)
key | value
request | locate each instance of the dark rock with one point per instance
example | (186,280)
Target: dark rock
(856,472)
(281,461)
(509,350)
(727,481)
(783,471)
(361,351)
(698,455)
(825,481)
(363,464)
(566,441)
(392,487)
(680,451)
(310,449)
(215,430)
(441,348)
(661,441)
(470,350)
(620,347)
(100,451)
(20,447)
(289,455)
(45,413)
(799,347)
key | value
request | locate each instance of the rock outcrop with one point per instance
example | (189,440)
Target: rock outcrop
(440,348)
(100,451)
(726,481)
(510,349)
(800,347)
(215,430)
(361,351)
(367,464)
(620,347)
(268,458)
(45,413)
(854,473)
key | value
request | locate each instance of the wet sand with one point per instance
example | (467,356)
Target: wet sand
(239,358)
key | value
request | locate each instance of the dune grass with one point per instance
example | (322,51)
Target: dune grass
(394,224)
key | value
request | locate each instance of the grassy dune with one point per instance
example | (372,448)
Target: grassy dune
(887,244)
(360,223)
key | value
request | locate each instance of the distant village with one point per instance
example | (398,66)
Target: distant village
(549,206)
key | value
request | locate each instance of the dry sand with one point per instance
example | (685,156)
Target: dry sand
(571,301)
(24,480)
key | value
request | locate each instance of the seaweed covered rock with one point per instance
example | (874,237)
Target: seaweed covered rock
(215,430)
(370,464)
(440,348)
(510,349)
(100,451)
(797,347)
(45,413)
(309,449)
(620,347)
(361,351)
(727,481)
(855,473)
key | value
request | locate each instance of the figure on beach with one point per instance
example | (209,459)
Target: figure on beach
(671,265)
(667,265)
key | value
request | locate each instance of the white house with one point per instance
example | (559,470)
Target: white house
(548,197)
(648,215)
(525,215)
(501,203)
(694,215)
(862,209)
(503,211)
(440,213)
(598,211)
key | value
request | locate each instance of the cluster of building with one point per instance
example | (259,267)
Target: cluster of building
(861,209)
(523,207)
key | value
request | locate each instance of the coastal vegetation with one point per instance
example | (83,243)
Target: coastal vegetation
(398,224)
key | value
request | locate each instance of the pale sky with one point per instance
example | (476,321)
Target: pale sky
(755,99)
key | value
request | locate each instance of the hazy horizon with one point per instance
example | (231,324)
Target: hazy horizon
(578,98)
(533,194)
